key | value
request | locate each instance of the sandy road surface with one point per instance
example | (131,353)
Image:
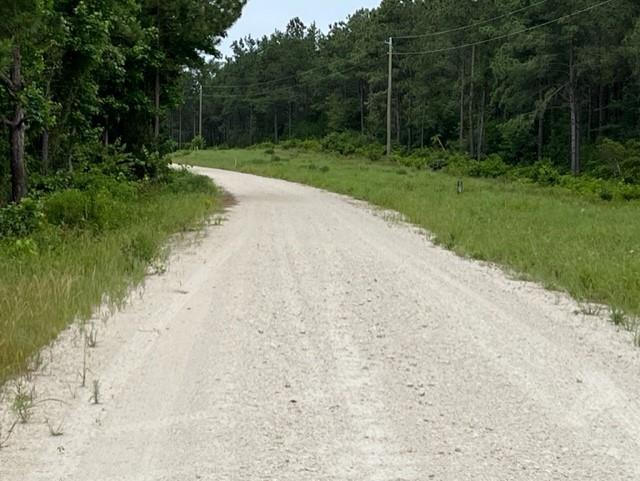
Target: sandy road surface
(308,339)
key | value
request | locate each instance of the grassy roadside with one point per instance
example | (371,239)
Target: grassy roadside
(60,274)
(584,246)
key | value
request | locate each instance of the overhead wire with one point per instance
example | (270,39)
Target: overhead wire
(472,25)
(507,35)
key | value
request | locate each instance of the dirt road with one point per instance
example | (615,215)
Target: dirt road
(308,338)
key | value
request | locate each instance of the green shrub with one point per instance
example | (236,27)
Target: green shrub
(610,159)
(183,182)
(629,191)
(492,167)
(198,143)
(142,248)
(67,208)
(544,173)
(311,145)
(73,208)
(372,151)
(21,220)
(606,195)
(343,143)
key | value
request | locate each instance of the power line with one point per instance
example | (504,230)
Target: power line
(508,35)
(471,26)
(276,90)
(294,76)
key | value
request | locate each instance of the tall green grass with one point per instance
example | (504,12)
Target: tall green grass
(581,245)
(72,271)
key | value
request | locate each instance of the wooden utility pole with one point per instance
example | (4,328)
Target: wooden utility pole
(389,96)
(200,121)
(180,129)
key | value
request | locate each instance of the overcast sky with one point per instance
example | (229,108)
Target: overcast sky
(262,17)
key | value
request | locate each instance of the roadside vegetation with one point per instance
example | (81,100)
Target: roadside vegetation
(64,252)
(566,239)
(87,199)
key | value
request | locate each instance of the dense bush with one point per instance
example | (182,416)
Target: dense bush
(198,143)
(20,220)
(97,196)
(609,159)
(97,209)
(349,143)
(544,173)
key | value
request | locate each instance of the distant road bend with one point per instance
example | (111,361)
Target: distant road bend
(309,338)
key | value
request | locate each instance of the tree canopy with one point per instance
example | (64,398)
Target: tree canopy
(525,79)
(79,76)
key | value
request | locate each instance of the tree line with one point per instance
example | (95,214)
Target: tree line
(80,76)
(525,79)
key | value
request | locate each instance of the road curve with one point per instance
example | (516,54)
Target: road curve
(310,338)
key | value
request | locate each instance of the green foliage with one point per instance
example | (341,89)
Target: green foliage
(198,143)
(91,246)
(20,220)
(343,143)
(544,173)
(98,210)
(615,160)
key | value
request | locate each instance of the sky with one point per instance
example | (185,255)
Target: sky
(263,17)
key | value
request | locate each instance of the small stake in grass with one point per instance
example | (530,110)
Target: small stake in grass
(95,395)
(55,431)
(92,337)
(460,187)
(4,436)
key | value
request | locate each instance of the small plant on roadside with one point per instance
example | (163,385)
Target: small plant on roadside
(589,309)
(23,402)
(617,317)
(83,374)
(91,337)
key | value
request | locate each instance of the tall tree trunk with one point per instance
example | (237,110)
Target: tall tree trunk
(251,126)
(361,89)
(156,130)
(481,123)
(45,151)
(600,110)
(541,128)
(105,133)
(275,127)
(290,120)
(18,169)
(589,116)
(422,129)
(471,94)
(575,127)
(398,131)
(461,126)
(45,137)
(195,122)
(180,127)
(17,129)
(409,122)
